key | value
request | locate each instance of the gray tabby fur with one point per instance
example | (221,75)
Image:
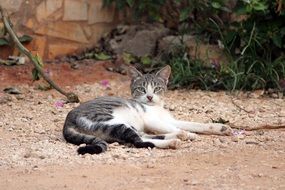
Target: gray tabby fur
(141,121)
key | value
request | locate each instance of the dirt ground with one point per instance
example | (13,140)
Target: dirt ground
(34,154)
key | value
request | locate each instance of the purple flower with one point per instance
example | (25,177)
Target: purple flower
(216,64)
(47,72)
(105,83)
(59,104)
(238,132)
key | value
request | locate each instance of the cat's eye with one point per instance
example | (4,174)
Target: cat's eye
(157,89)
(141,90)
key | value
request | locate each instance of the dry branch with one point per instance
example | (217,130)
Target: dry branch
(71,97)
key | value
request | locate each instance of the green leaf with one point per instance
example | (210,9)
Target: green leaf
(25,38)
(184,14)
(216,5)
(277,40)
(130,2)
(102,56)
(39,60)
(260,6)
(128,58)
(2,31)
(146,60)
(35,74)
(3,42)
(241,10)
(226,9)
(230,36)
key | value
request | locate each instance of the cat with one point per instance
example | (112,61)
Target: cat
(141,121)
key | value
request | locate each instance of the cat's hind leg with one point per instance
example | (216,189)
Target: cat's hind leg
(164,144)
(124,134)
(182,135)
(97,146)
(93,145)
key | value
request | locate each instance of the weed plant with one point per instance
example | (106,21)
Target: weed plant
(254,43)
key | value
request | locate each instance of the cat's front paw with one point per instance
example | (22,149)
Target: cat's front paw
(184,136)
(225,130)
(174,144)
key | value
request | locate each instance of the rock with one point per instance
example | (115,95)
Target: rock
(5,99)
(47,8)
(171,108)
(210,54)
(235,139)
(35,167)
(260,132)
(168,43)
(56,120)
(138,40)
(114,144)
(11,5)
(193,182)
(64,49)
(42,157)
(222,140)
(75,10)
(64,30)
(27,154)
(97,14)
(116,156)
(20,97)
(39,45)
(150,166)
(12,90)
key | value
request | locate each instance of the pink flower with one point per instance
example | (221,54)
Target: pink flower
(59,104)
(216,64)
(238,132)
(105,83)
(47,72)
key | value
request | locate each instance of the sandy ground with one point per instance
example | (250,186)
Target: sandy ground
(34,154)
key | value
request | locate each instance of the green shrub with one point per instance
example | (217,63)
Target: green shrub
(255,44)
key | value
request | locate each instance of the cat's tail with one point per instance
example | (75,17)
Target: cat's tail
(93,144)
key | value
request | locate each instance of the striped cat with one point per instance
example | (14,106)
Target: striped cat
(141,121)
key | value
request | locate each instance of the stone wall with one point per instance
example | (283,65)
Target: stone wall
(60,27)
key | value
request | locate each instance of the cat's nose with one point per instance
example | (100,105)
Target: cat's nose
(149,98)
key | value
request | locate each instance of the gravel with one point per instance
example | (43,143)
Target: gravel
(31,126)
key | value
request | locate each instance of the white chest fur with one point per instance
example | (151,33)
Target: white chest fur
(133,117)
(137,117)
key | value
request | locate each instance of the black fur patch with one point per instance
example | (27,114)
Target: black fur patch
(144,145)
(162,137)
(90,149)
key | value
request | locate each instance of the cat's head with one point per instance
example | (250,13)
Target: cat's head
(149,88)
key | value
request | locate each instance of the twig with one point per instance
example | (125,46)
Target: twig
(71,97)
(238,106)
(259,127)
(268,126)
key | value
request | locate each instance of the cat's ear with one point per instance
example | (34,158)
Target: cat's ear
(164,73)
(134,73)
